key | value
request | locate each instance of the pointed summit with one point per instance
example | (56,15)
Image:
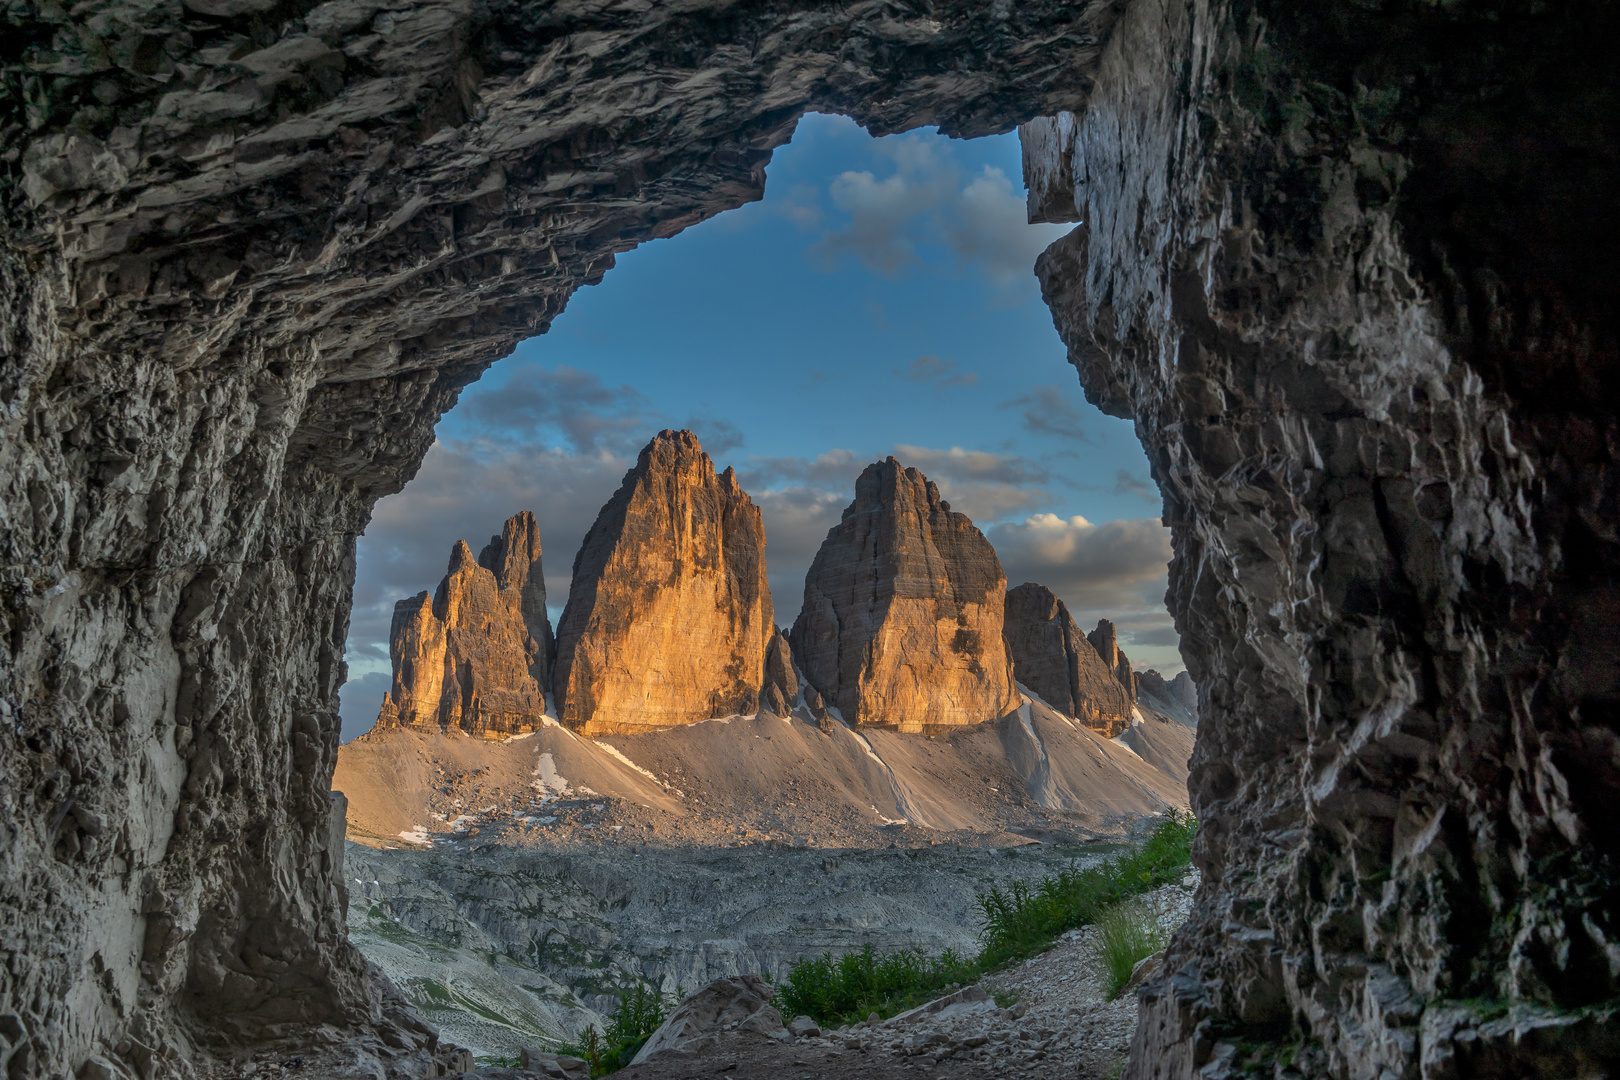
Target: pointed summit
(901,625)
(1053,658)
(478,656)
(669,614)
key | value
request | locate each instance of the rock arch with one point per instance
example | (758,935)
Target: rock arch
(1349,269)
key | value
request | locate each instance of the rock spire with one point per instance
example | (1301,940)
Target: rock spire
(477,656)
(669,614)
(903,605)
(1106,642)
(1053,658)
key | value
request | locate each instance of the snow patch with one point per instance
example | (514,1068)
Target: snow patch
(417,835)
(546,777)
(616,753)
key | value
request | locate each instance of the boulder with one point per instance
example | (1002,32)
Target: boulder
(1106,642)
(740,1003)
(903,605)
(1052,658)
(477,656)
(669,614)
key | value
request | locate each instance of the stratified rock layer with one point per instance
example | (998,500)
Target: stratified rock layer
(1382,403)
(669,612)
(477,657)
(1105,641)
(903,606)
(1051,657)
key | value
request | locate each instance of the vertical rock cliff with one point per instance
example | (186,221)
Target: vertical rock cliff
(1106,643)
(1051,657)
(478,656)
(1344,268)
(669,614)
(903,607)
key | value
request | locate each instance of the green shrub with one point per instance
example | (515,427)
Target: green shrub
(1017,922)
(852,986)
(1128,934)
(640,1012)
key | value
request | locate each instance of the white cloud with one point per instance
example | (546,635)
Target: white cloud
(924,201)
(796,522)
(983,485)
(1048,411)
(465,490)
(1112,570)
(989,229)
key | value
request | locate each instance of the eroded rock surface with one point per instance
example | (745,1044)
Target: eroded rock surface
(1381,407)
(903,606)
(1051,657)
(478,656)
(1105,641)
(669,613)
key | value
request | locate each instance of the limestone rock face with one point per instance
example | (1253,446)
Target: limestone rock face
(903,606)
(1377,465)
(1178,693)
(1051,657)
(781,686)
(669,613)
(1106,643)
(478,656)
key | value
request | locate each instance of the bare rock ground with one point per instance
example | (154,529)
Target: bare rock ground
(1059,1024)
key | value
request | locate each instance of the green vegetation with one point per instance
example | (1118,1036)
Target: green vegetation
(640,1012)
(1018,923)
(1129,934)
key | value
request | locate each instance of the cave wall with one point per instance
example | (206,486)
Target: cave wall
(1343,264)
(252,249)
(1345,268)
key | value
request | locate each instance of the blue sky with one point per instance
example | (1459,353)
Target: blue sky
(878,301)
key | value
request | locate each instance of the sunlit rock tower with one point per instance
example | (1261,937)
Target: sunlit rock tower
(477,656)
(669,614)
(903,606)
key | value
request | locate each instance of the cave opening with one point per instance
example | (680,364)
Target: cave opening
(1345,266)
(879,298)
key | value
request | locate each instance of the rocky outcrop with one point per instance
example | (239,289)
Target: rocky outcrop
(1348,267)
(1178,693)
(478,656)
(1382,407)
(781,686)
(1051,657)
(903,606)
(669,614)
(1106,643)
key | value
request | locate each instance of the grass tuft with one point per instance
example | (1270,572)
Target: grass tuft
(1129,935)
(1017,922)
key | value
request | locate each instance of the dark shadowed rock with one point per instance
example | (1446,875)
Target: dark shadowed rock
(1106,643)
(669,614)
(901,625)
(1052,658)
(781,686)
(1176,697)
(477,656)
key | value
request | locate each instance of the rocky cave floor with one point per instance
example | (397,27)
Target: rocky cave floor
(1059,1023)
